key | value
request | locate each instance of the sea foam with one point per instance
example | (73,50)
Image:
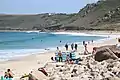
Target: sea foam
(14,53)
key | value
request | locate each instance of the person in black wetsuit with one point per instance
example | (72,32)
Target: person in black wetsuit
(83,42)
(66,46)
(76,46)
(72,46)
(60,41)
(70,55)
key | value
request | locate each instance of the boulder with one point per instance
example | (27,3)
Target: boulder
(106,52)
(111,78)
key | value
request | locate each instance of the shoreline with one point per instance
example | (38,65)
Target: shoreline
(27,52)
(72,32)
(23,65)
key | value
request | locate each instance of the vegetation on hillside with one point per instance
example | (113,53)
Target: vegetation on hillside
(103,15)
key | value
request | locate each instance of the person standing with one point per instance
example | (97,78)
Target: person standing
(76,46)
(66,46)
(70,55)
(83,42)
(72,46)
(60,56)
(86,50)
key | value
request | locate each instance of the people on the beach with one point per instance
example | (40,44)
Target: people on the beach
(76,46)
(72,46)
(118,40)
(67,59)
(43,71)
(83,42)
(71,61)
(52,58)
(86,50)
(88,42)
(94,51)
(60,56)
(8,75)
(66,46)
(70,55)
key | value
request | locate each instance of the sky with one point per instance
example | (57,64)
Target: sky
(42,6)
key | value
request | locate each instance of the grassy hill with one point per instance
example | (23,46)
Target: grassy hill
(39,21)
(92,16)
(103,15)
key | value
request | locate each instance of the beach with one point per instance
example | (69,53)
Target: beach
(24,65)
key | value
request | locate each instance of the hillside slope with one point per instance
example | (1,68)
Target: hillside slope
(103,15)
(39,21)
(93,16)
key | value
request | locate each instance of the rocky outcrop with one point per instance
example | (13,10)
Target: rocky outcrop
(107,52)
(87,69)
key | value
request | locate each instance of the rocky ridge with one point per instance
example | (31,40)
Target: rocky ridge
(88,69)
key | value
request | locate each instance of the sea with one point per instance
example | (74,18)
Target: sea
(16,44)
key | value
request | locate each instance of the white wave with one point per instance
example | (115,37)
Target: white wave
(32,31)
(85,34)
(14,53)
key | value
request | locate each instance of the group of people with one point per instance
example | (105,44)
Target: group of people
(72,46)
(8,75)
(68,57)
(84,42)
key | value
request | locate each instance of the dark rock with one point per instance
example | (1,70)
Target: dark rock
(105,52)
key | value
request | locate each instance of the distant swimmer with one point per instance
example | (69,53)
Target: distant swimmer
(60,41)
(47,49)
(57,48)
(92,41)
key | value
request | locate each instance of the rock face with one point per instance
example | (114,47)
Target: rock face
(107,52)
(106,68)
(88,69)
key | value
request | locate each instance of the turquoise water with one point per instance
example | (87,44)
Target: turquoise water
(20,43)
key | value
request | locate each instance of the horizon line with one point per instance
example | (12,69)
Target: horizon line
(36,13)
